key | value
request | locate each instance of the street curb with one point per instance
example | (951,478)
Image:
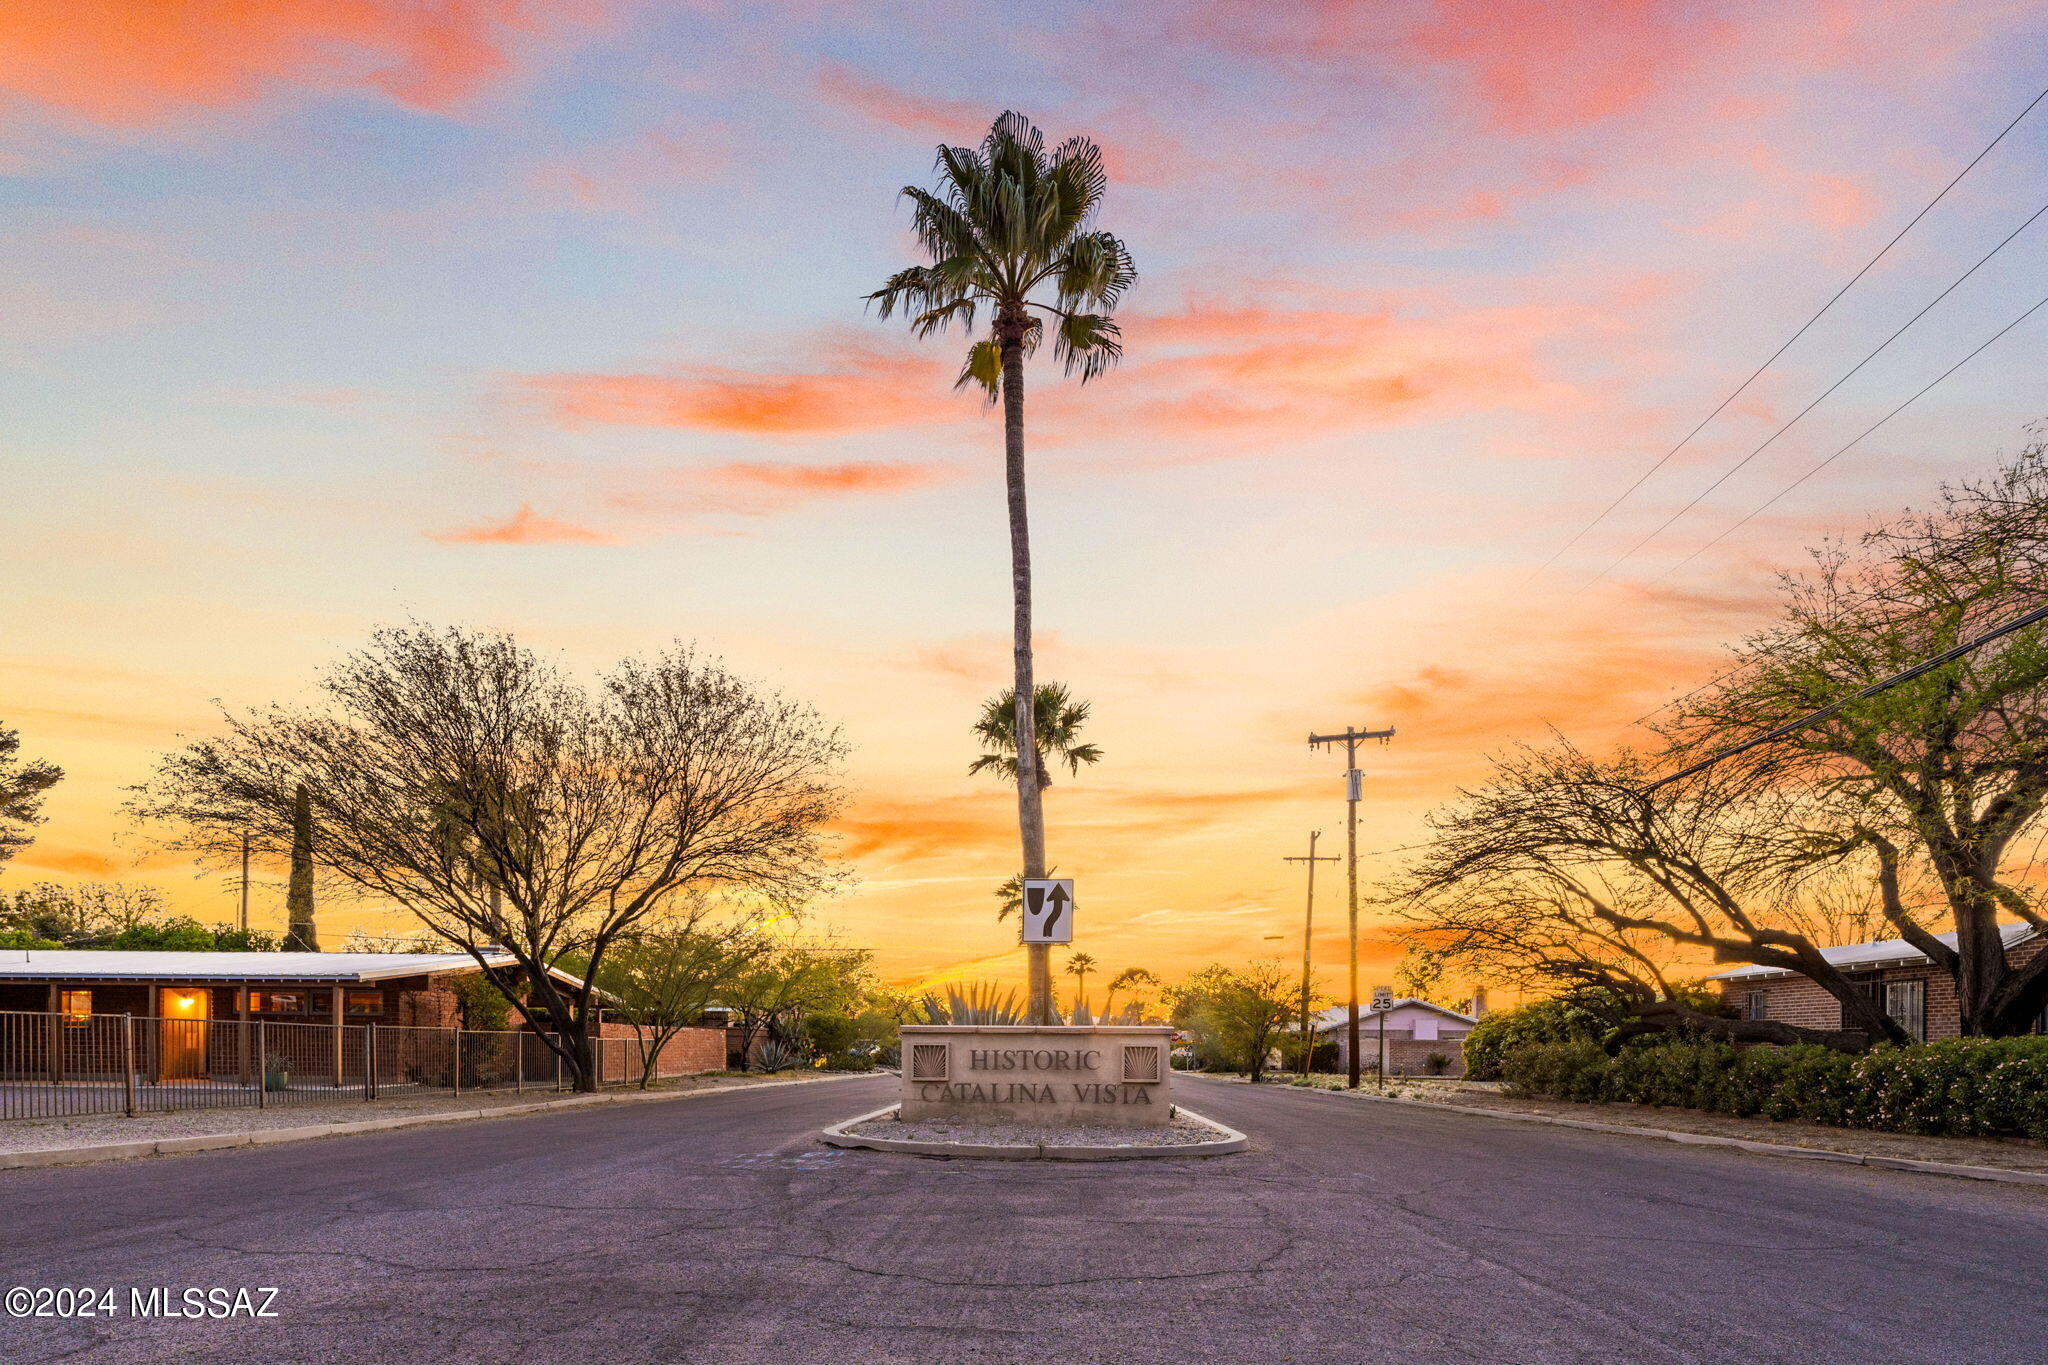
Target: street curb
(1956,1170)
(838,1135)
(265,1137)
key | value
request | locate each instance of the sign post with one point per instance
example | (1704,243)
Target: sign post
(1382,1001)
(1049,910)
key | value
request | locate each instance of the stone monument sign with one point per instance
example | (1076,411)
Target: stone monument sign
(1113,1075)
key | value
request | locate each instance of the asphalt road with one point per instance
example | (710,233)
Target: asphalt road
(717,1230)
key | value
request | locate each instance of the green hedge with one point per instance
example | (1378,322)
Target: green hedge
(1962,1087)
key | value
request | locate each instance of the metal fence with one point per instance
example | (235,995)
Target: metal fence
(56,1065)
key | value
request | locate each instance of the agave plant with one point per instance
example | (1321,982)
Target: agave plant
(775,1056)
(983,1002)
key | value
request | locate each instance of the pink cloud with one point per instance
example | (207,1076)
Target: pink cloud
(956,121)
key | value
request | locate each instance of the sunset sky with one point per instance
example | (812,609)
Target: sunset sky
(549,317)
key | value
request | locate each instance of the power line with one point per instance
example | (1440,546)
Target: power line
(1904,675)
(1666,457)
(1784,492)
(1742,463)
(1722,676)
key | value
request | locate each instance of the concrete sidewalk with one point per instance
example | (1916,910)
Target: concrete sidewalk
(227,1128)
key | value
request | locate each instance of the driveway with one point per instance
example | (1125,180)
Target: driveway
(716,1230)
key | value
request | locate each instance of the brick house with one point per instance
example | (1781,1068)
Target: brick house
(196,1015)
(1899,976)
(1415,1031)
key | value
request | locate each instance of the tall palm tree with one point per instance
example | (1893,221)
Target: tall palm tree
(1078,967)
(1129,979)
(1058,719)
(1008,229)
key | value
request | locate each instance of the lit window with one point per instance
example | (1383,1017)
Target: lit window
(277,1002)
(76,1007)
(364,1002)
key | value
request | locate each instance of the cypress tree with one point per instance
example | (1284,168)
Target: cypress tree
(301,936)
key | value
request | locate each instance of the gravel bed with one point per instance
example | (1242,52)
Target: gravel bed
(1184,1130)
(30,1135)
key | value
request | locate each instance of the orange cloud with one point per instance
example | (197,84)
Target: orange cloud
(89,863)
(911,830)
(140,62)
(761,488)
(524,527)
(859,389)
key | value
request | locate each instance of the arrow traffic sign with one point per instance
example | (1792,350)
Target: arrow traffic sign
(1049,910)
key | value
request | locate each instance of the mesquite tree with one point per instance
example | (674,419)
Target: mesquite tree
(1932,785)
(1562,874)
(462,776)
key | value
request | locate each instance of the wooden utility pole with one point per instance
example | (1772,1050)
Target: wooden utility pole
(1353,781)
(1308,928)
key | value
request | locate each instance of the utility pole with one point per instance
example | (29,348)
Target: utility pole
(1354,780)
(245,882)
(1308,928)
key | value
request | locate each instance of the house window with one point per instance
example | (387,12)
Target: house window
(277,1002)
(1756,1004)
(1906,1001)
(76,1007)
(364,1002)
(1873,991)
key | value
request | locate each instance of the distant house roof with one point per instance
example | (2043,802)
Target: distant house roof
(1885,952)
(1341,1014)
(72,964)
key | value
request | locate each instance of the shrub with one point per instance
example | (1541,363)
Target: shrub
(1546,1021)
(1962,1087)
(1570,1071)
(1437,1063)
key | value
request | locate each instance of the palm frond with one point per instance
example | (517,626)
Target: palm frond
(1088,344)
(984,366)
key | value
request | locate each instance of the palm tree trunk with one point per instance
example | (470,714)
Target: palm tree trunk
(1030,795)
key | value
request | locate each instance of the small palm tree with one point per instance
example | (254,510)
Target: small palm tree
(1078,967)
(1057,719)
(1010,899)
(1009,229)
(1129,979)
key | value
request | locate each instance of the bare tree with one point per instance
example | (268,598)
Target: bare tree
(22,785)
(458,774)
(1563,873)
